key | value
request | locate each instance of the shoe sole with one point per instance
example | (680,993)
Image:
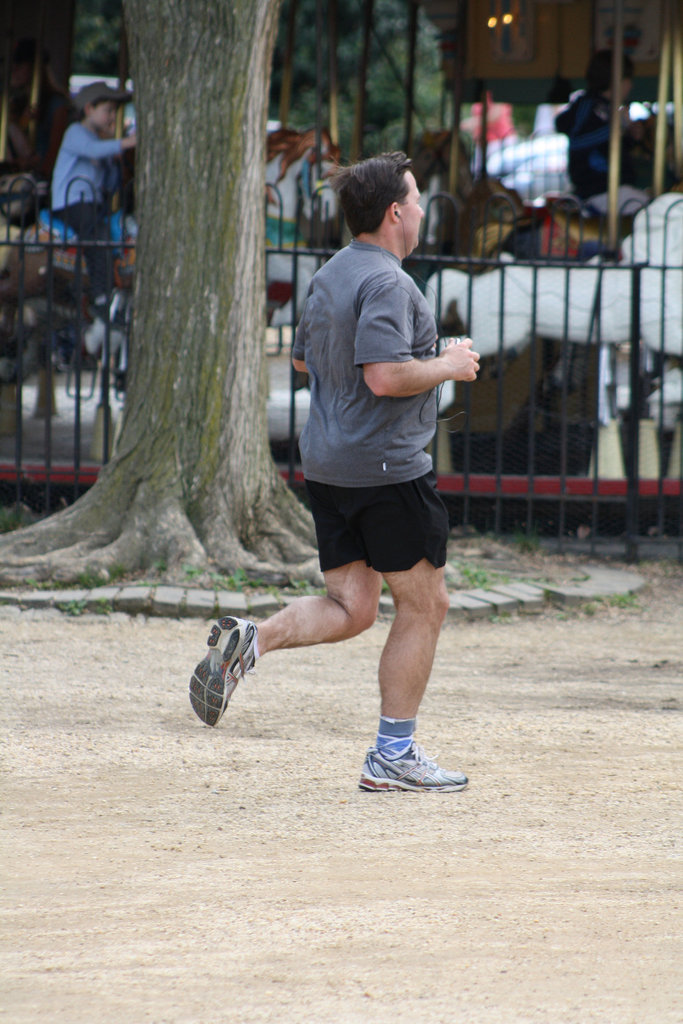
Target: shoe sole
(233,654)
(213,681)
(372,785)
(223,626)
(210,692)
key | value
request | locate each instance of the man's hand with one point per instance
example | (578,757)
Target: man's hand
(461,360)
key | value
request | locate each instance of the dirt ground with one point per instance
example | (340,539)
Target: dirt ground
(157,870)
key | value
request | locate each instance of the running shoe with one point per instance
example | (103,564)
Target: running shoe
(414,770)
(231,645)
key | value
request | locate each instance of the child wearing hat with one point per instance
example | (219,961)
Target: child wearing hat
(86,172)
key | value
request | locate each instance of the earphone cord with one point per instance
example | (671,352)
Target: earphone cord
(439,419)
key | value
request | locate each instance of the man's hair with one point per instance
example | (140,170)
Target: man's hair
(599,70)
(367,188)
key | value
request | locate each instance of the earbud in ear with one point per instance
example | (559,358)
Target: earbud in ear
(397,214)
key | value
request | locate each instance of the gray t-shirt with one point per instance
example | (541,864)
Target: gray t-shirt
(363,308)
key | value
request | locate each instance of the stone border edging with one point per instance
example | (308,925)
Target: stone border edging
(189,602)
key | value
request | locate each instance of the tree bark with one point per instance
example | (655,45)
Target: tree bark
(192,481)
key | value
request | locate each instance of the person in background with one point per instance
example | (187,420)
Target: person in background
(51,115)
(586,122)
(86,174)
(500,128)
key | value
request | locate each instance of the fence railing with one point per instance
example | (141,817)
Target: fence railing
(572,431)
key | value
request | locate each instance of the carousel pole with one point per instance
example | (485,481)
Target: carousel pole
(6,73)
(286,87)
(458,75)
(677,45)
(659,172)
(36,77)
(318,89)
(614,169)
(359,120)
(332,64)
(316,224)
(410,78)
(123,76)
(484,131)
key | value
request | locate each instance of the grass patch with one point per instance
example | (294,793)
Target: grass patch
(73,608)
(302,588)
(14,518)
(191,572)
(527,543)
(623,601)
(90,578)
(238,581)
(479,578)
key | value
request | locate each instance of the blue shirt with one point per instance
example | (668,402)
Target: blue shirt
(587,123)
(84,155)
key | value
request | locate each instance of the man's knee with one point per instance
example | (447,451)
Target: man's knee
(427,598)
(362,614)
(437,605)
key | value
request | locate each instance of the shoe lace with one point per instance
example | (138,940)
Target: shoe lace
(247,671)
(421,755)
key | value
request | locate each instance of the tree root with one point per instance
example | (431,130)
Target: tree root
(157,535)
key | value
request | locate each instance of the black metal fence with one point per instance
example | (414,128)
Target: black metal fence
(574,426)
(572,431)
(62,368)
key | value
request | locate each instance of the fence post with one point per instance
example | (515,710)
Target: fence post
(633,423)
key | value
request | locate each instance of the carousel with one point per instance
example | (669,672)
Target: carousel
(575,424)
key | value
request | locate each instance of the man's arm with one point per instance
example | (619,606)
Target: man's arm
(400,380)
(299,365)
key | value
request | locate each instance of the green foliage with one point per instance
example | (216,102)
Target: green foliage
(72,607)
(97,37)
(623,601)
(13,519)
(237,581)
(528,543)
(89,579)
(475,576)
(525,116)
(191,572)
(302,588)
(386,75)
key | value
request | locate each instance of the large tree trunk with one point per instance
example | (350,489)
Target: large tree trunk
(192,480)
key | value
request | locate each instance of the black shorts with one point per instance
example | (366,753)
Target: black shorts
(391,527)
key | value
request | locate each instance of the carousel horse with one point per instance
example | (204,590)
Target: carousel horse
(583,304)
(301,211)
(502,307)
(431,162)
(23,276)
